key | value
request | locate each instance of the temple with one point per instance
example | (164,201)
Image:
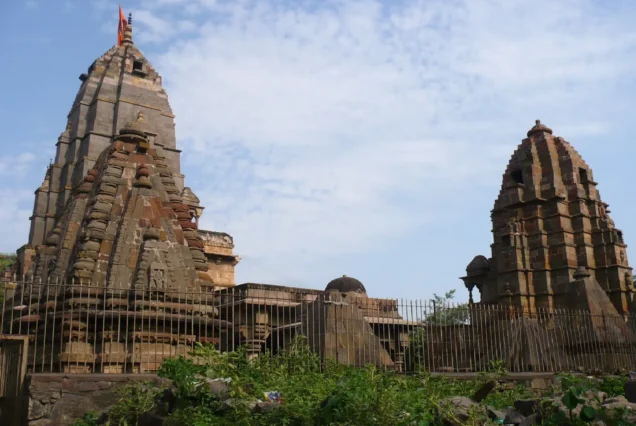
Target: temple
(117,276)
(117,269)
(113,206)
(555,245)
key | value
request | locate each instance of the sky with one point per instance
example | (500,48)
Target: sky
(333,137)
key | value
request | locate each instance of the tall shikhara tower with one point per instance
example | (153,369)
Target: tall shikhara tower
(114,198)
(552,234)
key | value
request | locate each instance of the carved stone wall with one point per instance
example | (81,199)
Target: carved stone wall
(218,248)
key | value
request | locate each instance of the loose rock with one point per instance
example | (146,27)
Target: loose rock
(462,408)
(484,390)
(527,407)
(513,417)
(630,390)
(264,407)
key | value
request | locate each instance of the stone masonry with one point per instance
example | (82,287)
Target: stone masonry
(115,227)
(116,87)
(84,187)
(548,221)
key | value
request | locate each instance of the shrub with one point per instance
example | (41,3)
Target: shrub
(314,392)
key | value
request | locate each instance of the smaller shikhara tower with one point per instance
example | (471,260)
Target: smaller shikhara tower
(112,209)
(552,234)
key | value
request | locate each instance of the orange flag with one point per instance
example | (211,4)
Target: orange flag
(122,27)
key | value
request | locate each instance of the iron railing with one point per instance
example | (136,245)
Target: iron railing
(76,328)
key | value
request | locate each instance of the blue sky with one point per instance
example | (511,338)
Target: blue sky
(340,137)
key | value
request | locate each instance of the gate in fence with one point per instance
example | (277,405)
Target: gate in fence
(13,366)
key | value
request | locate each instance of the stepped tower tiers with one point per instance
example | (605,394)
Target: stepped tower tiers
(549,221)
(113,90)
(113,205)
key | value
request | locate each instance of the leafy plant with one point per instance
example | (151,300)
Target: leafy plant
(313,392)
(613,385)
(134,400)
(446,314)
(90,419)
(581,403)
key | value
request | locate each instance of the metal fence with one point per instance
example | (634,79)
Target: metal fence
(76,328)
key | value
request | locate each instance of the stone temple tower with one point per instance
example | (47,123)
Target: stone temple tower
(115,188)
(550,228)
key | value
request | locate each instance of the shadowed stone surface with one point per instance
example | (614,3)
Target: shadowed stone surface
(56,399)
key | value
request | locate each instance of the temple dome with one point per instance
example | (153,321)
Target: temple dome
(189,197)
(538,127)
(478,265)
(346,284)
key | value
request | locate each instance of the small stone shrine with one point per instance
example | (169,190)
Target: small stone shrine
(341,323)
(555,248)
(547,222)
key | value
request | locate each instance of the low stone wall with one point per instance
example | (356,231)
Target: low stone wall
(60,399)
(535,381)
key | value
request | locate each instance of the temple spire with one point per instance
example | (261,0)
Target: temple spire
(128,32)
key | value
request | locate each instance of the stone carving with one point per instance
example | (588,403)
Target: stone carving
(157,279)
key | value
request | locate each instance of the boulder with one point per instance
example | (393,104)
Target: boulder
(42,422)
(484,390)
(151,419)
(630,390)
(527,407)
(530,420)
(495,414)
(218,388)
(36,410)
(513,417)
(462,409)
(594,396)
(264,407)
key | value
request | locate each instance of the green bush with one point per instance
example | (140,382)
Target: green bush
(314,393)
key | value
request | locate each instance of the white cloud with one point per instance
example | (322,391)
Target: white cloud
(15,211)
(16,166)
(155,29)
(313,123)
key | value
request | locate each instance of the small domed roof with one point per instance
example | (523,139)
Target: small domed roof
(538,127)
(478,265)
(346,284)
(189,197)
(581,273)
(134,129)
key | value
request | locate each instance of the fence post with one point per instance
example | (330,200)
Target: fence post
(608,362)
